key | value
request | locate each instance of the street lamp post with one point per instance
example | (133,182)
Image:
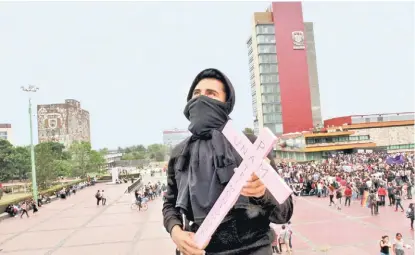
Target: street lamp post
(32,89)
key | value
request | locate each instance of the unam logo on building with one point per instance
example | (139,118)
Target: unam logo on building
(298,40)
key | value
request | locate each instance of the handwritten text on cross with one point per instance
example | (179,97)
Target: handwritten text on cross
(253,155)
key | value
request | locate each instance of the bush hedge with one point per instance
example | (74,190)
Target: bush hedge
(49,192)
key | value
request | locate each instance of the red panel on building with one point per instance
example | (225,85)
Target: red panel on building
(292,68)
(337,122)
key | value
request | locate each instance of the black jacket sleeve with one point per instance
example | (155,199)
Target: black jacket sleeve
(171,215)
(278,213)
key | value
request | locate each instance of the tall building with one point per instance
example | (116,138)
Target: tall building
(64,123)
(171,138)
(6,132)
(283,70)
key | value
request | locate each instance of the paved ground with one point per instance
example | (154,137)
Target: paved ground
(78,226)
(323,229)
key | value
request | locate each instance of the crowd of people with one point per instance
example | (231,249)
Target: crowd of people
(149,191)
(23,207)
(375,179)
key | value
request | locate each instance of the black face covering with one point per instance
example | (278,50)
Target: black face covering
(208,160)
(205,114)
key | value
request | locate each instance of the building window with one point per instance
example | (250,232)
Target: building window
(265,29)
(267,58)
(270,98)
(269,78)
(270,89)
(275,128)
(265,39)
(3,135)
(364,137)
(272,118)
(353,138)
(271,108)
(267,49)
(401,147)
(268,68)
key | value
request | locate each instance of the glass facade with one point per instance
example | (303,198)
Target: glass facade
(253,84)
(337,139)
(401,147)
(3,135)
(269,80)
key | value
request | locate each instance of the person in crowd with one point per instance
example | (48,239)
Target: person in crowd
(373,204)
(284,239)
(331,195)
(348,196)
(384,245)
(24,208)
(339,195)
(34,206)
(398,246)
(198,171)
(398,199)
(382,195)
(275,244)
(391,194)
(98,196)
(410,213)
(103,198)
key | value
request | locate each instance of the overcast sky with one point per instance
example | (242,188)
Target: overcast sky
(130,64)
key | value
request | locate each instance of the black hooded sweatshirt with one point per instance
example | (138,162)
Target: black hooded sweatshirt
(245,230)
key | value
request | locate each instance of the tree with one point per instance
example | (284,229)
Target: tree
(19,162)
(80,158)
(157,152)
(248,131)
(6,150)
(46,155)
(96,161)
(85,160)
(104,151)
(62,167)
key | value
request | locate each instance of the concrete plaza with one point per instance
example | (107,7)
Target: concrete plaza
(78,226)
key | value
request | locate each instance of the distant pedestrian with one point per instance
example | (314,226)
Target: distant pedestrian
(103,198)
(98,196)
(410,214)
(34,206)
(24,209)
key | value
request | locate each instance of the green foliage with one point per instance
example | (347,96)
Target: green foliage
(155,152)
(6,150)
(14,161)
(47,157)
(52,160)
(85,160)
(248,131)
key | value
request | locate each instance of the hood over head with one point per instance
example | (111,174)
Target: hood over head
(212,73)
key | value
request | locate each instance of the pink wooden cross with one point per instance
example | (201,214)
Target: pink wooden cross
(253,161)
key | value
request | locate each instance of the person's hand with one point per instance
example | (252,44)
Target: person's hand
(185,243)
(253,187)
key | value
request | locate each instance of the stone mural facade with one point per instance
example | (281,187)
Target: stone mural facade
(64,123)
(386,136)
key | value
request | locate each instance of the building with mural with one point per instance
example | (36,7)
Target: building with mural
(6,132)
(283,70)
(357,133)
(64,123)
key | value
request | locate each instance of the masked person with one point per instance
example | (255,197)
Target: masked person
(198,171)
